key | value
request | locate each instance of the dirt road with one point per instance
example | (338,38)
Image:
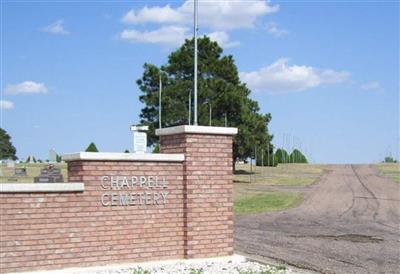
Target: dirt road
(348,223)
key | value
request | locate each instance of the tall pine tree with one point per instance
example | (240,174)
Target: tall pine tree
(297,157)
(92,148)
(219,88)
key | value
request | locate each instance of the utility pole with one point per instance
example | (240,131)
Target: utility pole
(293,148)
(283,144)
(251,169)
(268,153)
(273,157)
(226,121)
(195,60)
(210,113)
(251,165)
(255,157)
(190,107)
(255,164)
(262,158)
(159,100)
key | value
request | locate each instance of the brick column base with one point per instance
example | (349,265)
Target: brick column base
(208,187)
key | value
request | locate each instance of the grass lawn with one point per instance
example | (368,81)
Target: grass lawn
(391,171)
(283,174)
(251,194)
(7,174)
(267,201)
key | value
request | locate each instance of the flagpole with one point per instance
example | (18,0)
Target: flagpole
(195,61)
(159,101)
(190,106)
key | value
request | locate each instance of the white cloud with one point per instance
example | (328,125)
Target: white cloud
(222,38)
(373,85)
(280,77)
(274,29)
(164,14)
(217,15)
(226,15)
(56,28)
(27,87)
(4,104)
(172,35)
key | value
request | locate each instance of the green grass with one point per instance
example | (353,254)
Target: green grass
(196,271)
(266,202)
(141,271)
(391,171)
(252,189)
(284,174)
(7,174)
(256,272)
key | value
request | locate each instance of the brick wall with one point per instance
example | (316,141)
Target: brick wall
(59,230)
(208,192)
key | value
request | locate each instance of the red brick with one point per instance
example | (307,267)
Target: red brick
(57,230)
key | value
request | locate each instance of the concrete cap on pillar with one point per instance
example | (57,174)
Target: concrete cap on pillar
(197,130)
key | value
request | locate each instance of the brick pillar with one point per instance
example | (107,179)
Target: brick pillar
(208,187)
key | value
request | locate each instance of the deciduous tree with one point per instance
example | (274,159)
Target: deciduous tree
(7,150)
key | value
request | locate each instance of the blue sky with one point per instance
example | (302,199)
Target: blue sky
(327,71)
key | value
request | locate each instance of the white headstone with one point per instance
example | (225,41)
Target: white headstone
(139,139)
(139,142)
(52,156)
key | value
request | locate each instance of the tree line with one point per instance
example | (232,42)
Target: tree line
(281,156)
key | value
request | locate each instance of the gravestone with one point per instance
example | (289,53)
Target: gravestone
(139,138)
(49,174)
(20,171)
(52,156)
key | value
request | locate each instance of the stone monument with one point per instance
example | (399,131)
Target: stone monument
(49,174)
(20,171)
(139,138)
(52,156)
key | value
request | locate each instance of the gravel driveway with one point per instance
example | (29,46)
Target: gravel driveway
(348,223)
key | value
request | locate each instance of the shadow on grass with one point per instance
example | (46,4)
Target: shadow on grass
(241,182)
(242,172)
